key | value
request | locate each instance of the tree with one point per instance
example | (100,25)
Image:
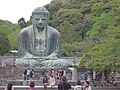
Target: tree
(22,22)
(105,56)
(4,44)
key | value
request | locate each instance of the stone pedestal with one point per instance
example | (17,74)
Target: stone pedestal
(74,73)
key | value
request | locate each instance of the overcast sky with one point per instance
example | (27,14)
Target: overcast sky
(13,10)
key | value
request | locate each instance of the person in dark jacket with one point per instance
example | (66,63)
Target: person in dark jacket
(45,82)
(64,85)
(9,87)
(25,74)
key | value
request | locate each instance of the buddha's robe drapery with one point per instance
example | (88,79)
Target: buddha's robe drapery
(27,43)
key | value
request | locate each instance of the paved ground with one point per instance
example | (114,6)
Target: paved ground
(55,88)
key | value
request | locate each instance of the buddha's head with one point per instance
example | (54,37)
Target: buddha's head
(40,17)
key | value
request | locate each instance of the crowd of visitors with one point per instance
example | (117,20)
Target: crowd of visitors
(63,85)
(50,79)
(58,74)
(28,74)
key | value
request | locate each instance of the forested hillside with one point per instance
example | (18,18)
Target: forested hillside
(8,37)
(89,29)
(83,23)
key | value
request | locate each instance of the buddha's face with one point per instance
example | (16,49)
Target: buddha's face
(40,20)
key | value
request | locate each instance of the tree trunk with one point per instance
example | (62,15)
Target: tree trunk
(104,79)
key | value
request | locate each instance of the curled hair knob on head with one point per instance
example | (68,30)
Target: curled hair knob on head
(40,10)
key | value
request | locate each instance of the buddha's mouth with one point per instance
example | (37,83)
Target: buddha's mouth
(40,24)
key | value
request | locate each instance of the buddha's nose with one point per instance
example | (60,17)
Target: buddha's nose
(40,22)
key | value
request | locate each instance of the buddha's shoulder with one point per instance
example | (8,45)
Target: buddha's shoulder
(51,29)
(26,29)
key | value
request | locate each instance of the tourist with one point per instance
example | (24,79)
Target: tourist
(31,74)
(61,73)
(57,78)
(25,74)
(64,72)
(52,81)
(57,75)
(64,85)
(28,73)
(9,87)
(87,86)
(49,73)
(78,86)
(45,82)
(32,86)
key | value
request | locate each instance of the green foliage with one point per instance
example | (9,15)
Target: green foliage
(75,49)
(103,22)
(97,9)
(54,6)
(9,37)
(90,29)
(4,44)
(83,24)
(13,38)
(71,15)
(104,56)
(5,28)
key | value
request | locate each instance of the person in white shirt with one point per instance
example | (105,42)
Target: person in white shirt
(78,86)
(52,81)
(64,73)
(28,73)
